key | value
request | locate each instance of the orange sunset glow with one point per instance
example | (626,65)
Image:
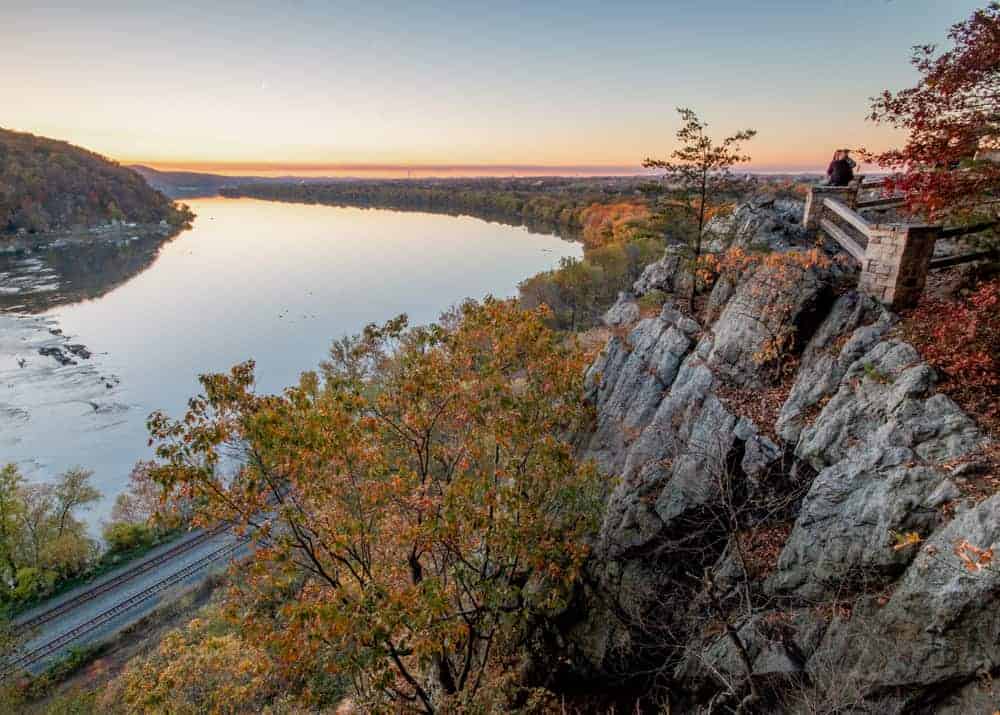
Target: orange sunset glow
(539,89)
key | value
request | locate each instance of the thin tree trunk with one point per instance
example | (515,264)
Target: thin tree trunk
(734,638)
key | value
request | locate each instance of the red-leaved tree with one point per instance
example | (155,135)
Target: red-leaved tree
(949,167)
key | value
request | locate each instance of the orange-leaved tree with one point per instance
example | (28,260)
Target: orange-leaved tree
(699,169)
(417,508)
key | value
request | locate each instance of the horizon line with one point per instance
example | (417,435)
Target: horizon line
(468,169)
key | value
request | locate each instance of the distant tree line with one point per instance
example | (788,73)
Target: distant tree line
(552,205)
(48,185)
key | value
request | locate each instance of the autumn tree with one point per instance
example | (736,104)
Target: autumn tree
(11,514)
(698,171)
(949,166)
(41,540)
(72,491)
(418,511)
(195,669)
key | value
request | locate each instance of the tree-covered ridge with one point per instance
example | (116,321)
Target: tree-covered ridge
(48,185)
(581,208)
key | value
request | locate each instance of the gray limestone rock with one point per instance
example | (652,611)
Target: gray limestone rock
(670,274)
(764,308)
(942,623)
(843,535)
(775,225)
(885,399)
(855,323)
(624,312)
(628,380)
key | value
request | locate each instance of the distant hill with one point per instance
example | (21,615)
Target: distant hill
(180,184)
(184,183)
(48,185)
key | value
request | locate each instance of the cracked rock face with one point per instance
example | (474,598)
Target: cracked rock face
(885,399)
(864,417)
(878,444)
(941,624)
(667,274)
(854,325)
(772,224)
(844,533)
(762,307)
(629,378)
(625,311)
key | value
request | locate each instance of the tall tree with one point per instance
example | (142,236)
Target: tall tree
(11,514)
(41,539)
(698,170)
(422,506)
(950,165)
(72,491)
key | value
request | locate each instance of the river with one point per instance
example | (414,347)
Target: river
(274,282)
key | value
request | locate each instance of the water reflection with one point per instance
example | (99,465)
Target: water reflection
(252,279)
(61,272)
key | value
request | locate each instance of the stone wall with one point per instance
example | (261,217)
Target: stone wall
(814,202)
(896,263)
(897,256)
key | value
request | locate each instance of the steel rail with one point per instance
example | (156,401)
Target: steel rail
(113,583)
(28,659)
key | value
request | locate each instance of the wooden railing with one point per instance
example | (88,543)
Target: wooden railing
(832,229)
(894,257)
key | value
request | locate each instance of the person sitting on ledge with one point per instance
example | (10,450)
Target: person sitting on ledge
(841,169)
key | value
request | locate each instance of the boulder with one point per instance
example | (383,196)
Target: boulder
(624,312)
(885,400)
(842,540)
(670,274)
(766,306)
(761,223)
(940,627)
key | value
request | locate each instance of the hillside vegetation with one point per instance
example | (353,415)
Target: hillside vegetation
(48,185)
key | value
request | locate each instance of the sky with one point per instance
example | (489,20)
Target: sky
(471,87)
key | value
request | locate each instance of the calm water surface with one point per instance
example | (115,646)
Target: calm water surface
(252,279)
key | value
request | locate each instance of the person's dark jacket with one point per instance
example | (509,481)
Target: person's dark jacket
(840,172)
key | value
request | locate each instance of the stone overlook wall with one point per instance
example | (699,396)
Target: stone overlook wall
(896,262)
(894,258)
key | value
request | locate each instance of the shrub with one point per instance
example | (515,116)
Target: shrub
(33,583)
(652,301)
(123,537)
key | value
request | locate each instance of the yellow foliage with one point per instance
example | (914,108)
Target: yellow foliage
(424,508)
(193,671)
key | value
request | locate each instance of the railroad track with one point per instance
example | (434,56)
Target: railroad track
(113,583)
(26,660)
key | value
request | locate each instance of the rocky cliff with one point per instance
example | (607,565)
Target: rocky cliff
(754,550)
